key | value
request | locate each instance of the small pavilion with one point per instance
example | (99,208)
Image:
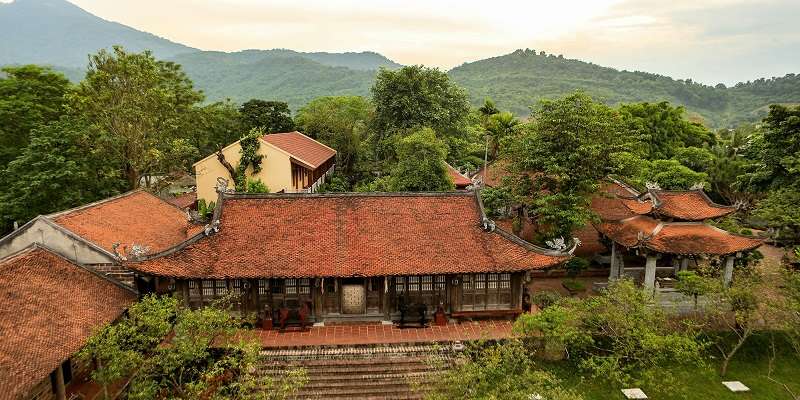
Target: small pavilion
(668,229)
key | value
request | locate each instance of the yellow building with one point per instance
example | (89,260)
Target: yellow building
(292,162)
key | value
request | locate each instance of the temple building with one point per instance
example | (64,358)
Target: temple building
(351,256)
(100,234)
(665,231)
(49,307)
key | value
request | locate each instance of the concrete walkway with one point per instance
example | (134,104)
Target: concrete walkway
(384,334)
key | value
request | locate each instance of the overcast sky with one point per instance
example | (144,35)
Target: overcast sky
(709,41)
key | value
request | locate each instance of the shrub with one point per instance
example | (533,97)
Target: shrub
(545,299)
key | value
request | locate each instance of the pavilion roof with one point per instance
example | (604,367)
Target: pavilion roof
(48,309)
(458,178)
(688,205)
(302,148)
(349,235)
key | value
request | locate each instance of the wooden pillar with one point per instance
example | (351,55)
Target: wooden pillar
(650,271)
(684,263)
(614,273)
(727,276)
(61,388)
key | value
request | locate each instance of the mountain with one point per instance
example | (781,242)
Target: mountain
(276,75)
(518,80)
(57,32)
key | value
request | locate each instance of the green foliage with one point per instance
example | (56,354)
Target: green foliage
(256,186)
(694,158)
(139,105)
(497,201)
(666,128)
(411,98)
(213,126)
(790,308)
(500,371)
(60,168)
(781,212)
(206,356)
(421,166)
(620,336)
(694,285)
(776,150)
(339,122)
(571,144)
(30,96)
(671,175)
(248,158)
(545,299)
(267,116)
(575,266)
(205,210)
(335,184)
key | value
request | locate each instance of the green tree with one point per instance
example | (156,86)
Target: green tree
(269,116)
(413,97)
(692,284)
(776,150)
(30,96)
(339,122)
(667,128)
(781,212)
(571,144)
(213,126)
(695,158)
(671,175)
(139,104)
(500,371)
(500,126)
(256,186)
(206,356)
(421,165)
(621,336)
(60,168)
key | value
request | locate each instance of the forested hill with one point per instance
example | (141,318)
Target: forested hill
(517,80)
(277,75)
(57,32)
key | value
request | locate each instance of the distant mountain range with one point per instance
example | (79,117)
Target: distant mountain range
(60,34)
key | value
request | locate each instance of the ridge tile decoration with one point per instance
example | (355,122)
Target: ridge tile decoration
(43,321)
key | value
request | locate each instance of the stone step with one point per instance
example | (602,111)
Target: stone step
(368,392)
(399,381)
(350,362)
(341,373)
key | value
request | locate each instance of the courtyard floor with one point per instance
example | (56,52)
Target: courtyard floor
(384,334)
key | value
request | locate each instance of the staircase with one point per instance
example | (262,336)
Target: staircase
(361,372)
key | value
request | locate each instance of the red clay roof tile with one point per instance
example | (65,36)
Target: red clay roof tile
(459,180)
(698,238)
(48,309)
(303,148)
(183,201)
(691,205)
(628,232)
(136,217)
(348,235)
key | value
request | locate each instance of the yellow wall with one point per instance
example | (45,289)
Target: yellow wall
(276,170)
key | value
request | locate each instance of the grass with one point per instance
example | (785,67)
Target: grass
(750,366)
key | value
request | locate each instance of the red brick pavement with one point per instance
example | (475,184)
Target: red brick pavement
(384,334)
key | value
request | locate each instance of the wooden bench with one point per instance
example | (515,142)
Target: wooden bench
(486,314)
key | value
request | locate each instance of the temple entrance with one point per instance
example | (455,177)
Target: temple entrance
(353,296)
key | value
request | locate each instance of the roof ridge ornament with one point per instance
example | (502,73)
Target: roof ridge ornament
(488,225)
(222,185)
(652,186)
(212,227)
(698,186)
(558,244)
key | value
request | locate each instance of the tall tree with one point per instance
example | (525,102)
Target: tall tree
(667,127)
(30,96)
(414,97)
(269,116)
(139,103)
(61,168)
(776,150)
(499,125)
(422,164)
(571,144)
(339,122)
(213,126)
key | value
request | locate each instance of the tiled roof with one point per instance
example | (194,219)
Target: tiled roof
(698,238)
(184,200)
(303,148)
(691,205)
(676,237)
(136,217)
(48,308)
(459,180)
(628,232)
(340,235)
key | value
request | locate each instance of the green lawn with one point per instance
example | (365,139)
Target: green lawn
(750,366)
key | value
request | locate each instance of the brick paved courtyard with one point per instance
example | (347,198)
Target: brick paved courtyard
(385,334)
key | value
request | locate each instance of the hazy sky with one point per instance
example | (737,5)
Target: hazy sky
(708,40)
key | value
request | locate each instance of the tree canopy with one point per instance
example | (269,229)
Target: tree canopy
(269,116)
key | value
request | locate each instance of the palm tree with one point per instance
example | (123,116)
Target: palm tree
(499,126)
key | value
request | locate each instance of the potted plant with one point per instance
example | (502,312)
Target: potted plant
(574,267)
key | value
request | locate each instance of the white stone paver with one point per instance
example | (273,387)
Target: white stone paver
(634,393)
(736,386)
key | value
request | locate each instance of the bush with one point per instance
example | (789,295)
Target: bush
(545,299)
(256,186)
(575,266)
(573,285)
